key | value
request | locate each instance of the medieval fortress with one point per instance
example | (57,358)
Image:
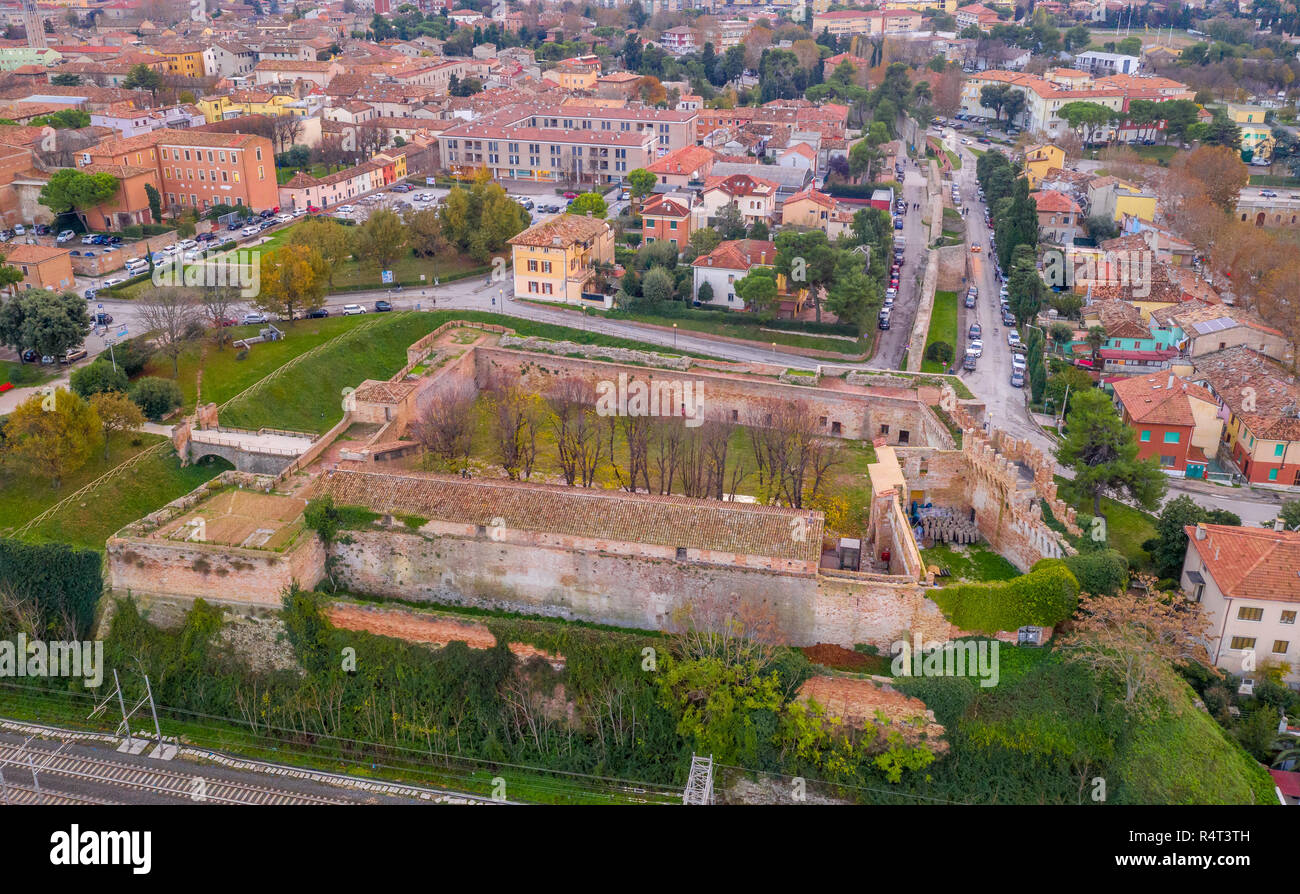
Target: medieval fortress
(589,553)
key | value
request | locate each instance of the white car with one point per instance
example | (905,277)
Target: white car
(1013,337)
(65,236)
(20,230)
(284,218)
(352,309)
(345,209)
(111,281)
(250,231)
(172,249)
(187,244)
(298,212)
(1018,362)
(88,239)
(254,317)
(975,347)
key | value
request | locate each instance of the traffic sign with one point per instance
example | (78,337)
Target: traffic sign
(387,276)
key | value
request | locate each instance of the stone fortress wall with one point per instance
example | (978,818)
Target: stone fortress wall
(466,552)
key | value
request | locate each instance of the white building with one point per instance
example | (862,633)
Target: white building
(729,262)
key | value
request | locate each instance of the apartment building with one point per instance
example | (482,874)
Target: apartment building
(1098,63)
(1248,583)
(129,121)
(976,15)
(1261,403)
(599,145)
(556,259)
(1175,421)
(197,169)
(846,22)
(680,40)
(42,266)
(667,219)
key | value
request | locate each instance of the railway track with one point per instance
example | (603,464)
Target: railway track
(24,795)
(192,787)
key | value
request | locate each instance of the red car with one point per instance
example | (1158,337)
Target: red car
(570,195)
(227,322)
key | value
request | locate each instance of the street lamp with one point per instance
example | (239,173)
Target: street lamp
(674,336)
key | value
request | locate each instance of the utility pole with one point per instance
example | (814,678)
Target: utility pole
(699,784)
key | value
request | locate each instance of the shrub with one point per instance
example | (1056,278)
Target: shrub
(1046,596)
(132,356)
(98,377)
(156,397)
(939,352)
(1104,572)
(60,580)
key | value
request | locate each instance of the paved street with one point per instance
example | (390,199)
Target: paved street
(892,342)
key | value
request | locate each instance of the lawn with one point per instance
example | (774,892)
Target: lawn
(748,332)
(1127,528)
(147,486)
(943,328)
(23,375)
(953,159)
(22,496)
(976,562)
(1273,180)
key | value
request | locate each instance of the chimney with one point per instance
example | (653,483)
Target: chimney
(1170,384)
(1200,532)
(1279,524)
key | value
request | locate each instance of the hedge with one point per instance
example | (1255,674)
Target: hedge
(60,579)
(682,311)
(1046,596)
(1101,573)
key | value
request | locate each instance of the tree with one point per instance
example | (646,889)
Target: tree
(807,260)
(589,203)
(219,304)
(1096,338)
(333,241)
(46,322)
(96,378)
(1134,639)
(142,77)
(1102,451)
(640,183)
(156,397)
(293,281)
(116,412)
(1085,117)
(155,202)
(758,290)
(1024,285)
(658,286)
(730,223)
(424,233)
(704,240)
(1062,334)
(1290,515)
(173,316)
(1217,171)
(52,441)
(1169,547)
(381,240)
(69,189)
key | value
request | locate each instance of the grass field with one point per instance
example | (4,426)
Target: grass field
(974,563)
(953,159)
(1127,528)
(834,344)
(943,328)
(1273,180)
(23,375)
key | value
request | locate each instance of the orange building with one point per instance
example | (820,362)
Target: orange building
(666,220)
(130,205)
(198,169)
(42,266)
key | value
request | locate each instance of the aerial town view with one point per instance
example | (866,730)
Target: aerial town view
(662,403)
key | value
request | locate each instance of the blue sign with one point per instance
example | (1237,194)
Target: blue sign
(121,333)
(101,306)
(387,275)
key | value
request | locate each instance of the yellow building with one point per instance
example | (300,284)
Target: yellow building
(1139,205)
(184,63)
(1245,114)
(246,102)
(556,259)
(1258,138)
(1041,159)
(948,6)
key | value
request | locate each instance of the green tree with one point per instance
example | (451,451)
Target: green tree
(806,260)
(658,286)
(156,397)
(1290,515)
(592,203)
(1024,285)
(155,202)
(1169,546)
(332,240)
(705,240)
(1084,118)
(381,240)
(758,290)
(47,322)
(1102,452)
(52,441)
(640,183)
(730,223)
(142,77)
(116,412)
(96,378)
(69,189)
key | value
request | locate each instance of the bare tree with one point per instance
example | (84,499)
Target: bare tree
(218,306)
(578,443)
(445,426)
(516,417)
(285,130)
(728,628)
(173,316)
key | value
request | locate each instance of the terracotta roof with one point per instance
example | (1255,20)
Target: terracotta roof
(1273,393)
(741,185)
(1152,399)
(610,517)
(811,195)
(663,206)
(568,228)
(1055,202)
(23,253)
(739,254)
(1250,563)
(686,160)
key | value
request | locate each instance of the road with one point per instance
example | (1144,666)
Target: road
(892,342)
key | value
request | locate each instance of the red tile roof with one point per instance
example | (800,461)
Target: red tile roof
(1152,400)
(1250,563)
(740,254)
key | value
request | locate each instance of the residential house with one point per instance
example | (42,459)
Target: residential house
(754,196)
(666,218)
(687,166)
(1113,199)
(726,264)
(1246,582)
(1260,401)
(1174,420)
(556,260)
(42,266)
(1059,216)
(1041,159)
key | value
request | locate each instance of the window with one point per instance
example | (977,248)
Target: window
(1279,449)
(835,428)
(1168,461)
(532,266)
(884,429)
(1245,613)
(1272,474)
(1146,436)
(903,436)
(1242,642)
(681,553)
(1280,646)
(1172,437)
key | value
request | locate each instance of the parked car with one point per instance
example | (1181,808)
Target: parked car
(254,317)
(382,306)
(284,218)
(73,355)
(111,281)
(30,356)
(88,239)
(1018,362)
(42,229)
(205,237)
(352,310)
(250,231)
(103,319)
(1013,338)
(969,362)
(975,331)
(233,225)
(20,230)
(318,313)
(1268,193)
(976,347)
(267,212)
(91,293)
(345,209)
(883,321)
(1017,379)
